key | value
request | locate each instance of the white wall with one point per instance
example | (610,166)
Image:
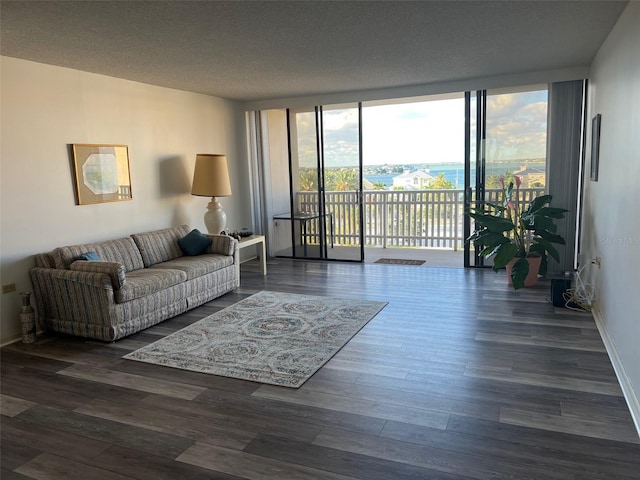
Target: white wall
(46,108)
(612,222)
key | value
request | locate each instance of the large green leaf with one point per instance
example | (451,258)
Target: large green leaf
(539,202)
(546,247)
(539,249)
(551,237)
(544,263)
(475,235)
(494,224)
(552,212)
(504,255)
(489,251)
(489,238)
(541,224)
(492,243)
(519,272)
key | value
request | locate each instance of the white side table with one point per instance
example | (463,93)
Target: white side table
(255,240)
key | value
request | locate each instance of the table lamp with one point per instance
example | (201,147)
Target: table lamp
(211,179)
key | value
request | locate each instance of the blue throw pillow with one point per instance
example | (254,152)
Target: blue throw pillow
(194,243)
(93,256)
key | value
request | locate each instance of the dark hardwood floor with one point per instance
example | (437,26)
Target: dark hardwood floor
(459,377)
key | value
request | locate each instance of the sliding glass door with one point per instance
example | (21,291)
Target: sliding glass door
(326,183)
(304,195)
(342,173)
(506,137)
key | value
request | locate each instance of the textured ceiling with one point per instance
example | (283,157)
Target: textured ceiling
(248,50)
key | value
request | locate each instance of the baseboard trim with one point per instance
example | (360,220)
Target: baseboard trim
(623,379)
(9,342)
(4,343)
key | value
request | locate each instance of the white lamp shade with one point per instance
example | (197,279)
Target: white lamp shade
(211,176)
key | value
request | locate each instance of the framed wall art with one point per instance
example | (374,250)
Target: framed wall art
(101,173)
(595,146)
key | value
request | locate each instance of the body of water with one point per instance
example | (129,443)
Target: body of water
(454,172)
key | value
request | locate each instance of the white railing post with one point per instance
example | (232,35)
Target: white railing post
(385,219)
(454,219)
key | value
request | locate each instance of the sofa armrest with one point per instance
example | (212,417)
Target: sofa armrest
(114,270)
(63,295)
(222,244)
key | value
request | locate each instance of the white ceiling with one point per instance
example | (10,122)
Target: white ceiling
(248,50)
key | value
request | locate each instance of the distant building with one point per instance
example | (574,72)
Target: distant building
(532,177)
(416,180)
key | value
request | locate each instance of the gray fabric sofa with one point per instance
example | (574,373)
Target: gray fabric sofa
(140,281)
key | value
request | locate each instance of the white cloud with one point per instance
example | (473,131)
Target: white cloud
(430,132)
(427,132)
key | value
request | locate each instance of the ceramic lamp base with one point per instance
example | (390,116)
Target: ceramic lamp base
(214,218)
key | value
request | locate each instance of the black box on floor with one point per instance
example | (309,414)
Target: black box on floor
(558,287)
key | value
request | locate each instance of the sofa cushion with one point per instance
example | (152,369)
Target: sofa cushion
(160,245)
(194,243)
(199,265)
(148,281)
(122,250)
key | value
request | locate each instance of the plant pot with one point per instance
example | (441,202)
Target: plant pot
(534,268)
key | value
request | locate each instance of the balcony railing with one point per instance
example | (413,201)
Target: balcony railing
(398,218)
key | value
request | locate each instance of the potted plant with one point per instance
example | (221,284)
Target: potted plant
(516,237)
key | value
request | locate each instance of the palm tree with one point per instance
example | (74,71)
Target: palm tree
(440,182)
(342,179)
(308,180)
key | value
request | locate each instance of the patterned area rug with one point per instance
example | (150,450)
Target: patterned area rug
(399,261)
(270,337)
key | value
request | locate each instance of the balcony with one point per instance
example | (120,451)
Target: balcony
(399,219)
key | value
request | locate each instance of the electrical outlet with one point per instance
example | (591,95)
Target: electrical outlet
(8,288)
